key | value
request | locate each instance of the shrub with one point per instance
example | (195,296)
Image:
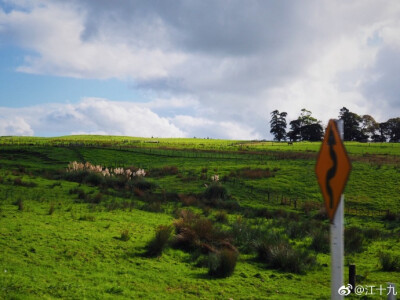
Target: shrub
(152,207)
(244,236)
(192,229)
(51,209)
(20,204)
(389,262)
(97,198)
(389,216)
(143,185)
(188,200)
(216,191)
(94,179)
(373,233)
(353,240)
(263,213)
(125,235)
(1,180)
(76,176)
(222,264)
(308,206)
(320,241)
(296,230)
(158,243)
(283,257)
(164,171)
(221,216)
(321,214)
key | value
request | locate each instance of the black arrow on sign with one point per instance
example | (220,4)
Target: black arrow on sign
(332,171)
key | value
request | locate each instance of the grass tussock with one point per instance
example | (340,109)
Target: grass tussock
(125,235)
(20,204)
(159,241)
(223,263)
(164,171)
(389,262)
(279,254)
(354,240)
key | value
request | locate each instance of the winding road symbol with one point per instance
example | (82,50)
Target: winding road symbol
(332,171)
(332,168)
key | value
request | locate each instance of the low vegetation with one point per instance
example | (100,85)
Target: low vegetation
(202,218)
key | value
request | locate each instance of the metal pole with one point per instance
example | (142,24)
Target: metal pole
(337,247)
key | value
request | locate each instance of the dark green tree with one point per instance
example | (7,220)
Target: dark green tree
(393,129)
(278,125)
(351,126)
(369,126)
(305,128)
(295,129)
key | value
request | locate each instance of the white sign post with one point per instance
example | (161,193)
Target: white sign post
(337,245)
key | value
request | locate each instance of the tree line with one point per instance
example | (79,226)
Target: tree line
(361,128)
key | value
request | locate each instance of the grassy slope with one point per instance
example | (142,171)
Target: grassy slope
(63,256)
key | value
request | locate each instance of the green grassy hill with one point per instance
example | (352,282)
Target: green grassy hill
(80,235)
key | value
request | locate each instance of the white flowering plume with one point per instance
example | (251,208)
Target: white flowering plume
(215,177)
(77,166)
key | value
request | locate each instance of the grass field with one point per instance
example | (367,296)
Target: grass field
(77,235)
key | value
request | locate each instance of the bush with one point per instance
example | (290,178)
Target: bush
(283,257)
(97,199)
(20,204)
(389,262)
(51,209)
(94,179)
(389,216)
(222,264)
(158,243)
(79,192)
(152,207)
(320,241)
(276,252)
(192,229)
(216,191)
(164,171)
(221,216)
(353,240)
(125,236)
(244,236)
(76,176)
(143,185)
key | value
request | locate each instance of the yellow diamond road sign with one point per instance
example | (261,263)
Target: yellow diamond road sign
(332,168)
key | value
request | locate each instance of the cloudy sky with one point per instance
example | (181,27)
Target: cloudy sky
(193,68)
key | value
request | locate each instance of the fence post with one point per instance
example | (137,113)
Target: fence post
(352,277)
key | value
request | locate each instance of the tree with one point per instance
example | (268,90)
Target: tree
(305,128)
(313,132)
(294,133)
(368,126)
(278,125)
(351,127)
(393,129)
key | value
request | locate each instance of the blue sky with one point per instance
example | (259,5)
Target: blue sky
(200,68)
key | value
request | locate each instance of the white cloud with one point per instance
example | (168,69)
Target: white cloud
(102,116)
(201,127)
(54,30)
(91,116)
(213,69)
(14,126)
